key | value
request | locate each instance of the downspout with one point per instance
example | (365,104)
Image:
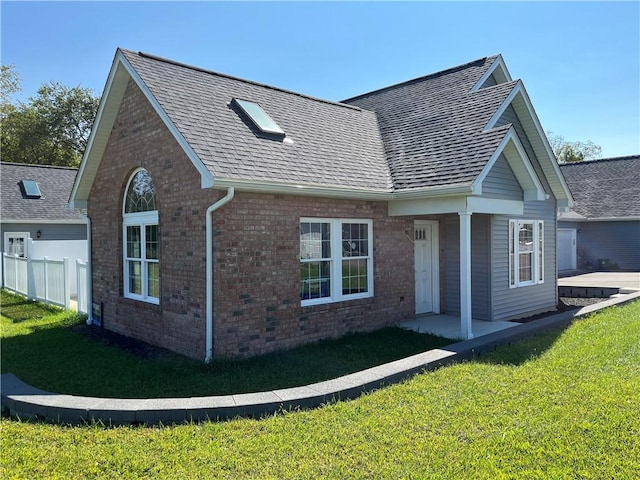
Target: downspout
(209,273)
(89,273)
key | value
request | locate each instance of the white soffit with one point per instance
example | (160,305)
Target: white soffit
(498,69)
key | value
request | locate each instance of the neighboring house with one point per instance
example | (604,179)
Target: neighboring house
(603,230)
(232,218)
(35,218)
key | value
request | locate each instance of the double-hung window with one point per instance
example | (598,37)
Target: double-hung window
(526,252)
(336,261)
(141,242)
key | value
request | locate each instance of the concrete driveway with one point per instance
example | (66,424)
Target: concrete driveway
(628,282)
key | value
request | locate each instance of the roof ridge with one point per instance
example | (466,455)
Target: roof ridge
(38,165)
(599,160)
(244,80)
(422,78)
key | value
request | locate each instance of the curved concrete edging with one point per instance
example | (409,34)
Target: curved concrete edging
(24,401)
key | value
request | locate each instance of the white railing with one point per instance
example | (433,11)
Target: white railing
(45,279)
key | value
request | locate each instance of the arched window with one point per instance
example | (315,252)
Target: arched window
(141,242)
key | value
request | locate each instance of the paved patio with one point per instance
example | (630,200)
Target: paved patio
(628,282)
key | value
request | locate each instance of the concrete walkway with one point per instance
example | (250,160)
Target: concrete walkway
(23,401)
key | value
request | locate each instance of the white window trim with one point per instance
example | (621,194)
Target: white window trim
(24,235)
(141,219)
(537,260)
(336,261)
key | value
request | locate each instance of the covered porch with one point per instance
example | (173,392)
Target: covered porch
(450,326)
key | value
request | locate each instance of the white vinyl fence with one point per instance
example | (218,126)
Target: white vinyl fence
(45,279)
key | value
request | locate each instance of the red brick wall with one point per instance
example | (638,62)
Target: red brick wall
(256,254)
(257,274)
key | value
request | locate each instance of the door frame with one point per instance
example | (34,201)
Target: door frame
(435,261)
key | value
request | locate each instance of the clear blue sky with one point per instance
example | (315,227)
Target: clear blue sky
(580,61)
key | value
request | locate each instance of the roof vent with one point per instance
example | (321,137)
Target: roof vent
(29,189)
(262,121)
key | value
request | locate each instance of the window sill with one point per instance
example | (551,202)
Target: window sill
(329,301)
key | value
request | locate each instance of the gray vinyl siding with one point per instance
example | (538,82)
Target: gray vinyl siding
(512,303)
(451,271)
(510,116)
(48,231)
(501,183)
(480,265)
(619,242)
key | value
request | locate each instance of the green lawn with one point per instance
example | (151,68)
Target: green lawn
(46,353)
(564,405)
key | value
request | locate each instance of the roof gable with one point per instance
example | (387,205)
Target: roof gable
(434,134)
(519,100)
(55,185)
(607,189)
(434,127)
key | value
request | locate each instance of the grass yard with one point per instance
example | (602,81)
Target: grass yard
(564,405)
(46,351)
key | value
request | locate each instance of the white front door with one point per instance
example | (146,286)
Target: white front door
(426,267)
(566,249)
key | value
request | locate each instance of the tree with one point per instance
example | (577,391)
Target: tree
(570,152)
(51,128)
(9,84)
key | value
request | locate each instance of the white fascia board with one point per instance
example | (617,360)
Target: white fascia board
(550,158)
(78,204)
(494,206)
(257,186)
(511,138)
(23,221)
(545,142)
(337,191)
(105,117)
(599,219)
(206,178)
(427,206)
(507,101)
(497,64)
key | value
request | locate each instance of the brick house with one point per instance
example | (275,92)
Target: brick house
(232,218)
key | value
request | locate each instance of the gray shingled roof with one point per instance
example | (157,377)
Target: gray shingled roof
(333,144)
(55,185)
(433,127)
(607,188)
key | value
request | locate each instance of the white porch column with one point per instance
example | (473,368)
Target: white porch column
(465,274)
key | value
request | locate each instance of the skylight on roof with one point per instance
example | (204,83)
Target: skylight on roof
(259,117)
(30,189)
